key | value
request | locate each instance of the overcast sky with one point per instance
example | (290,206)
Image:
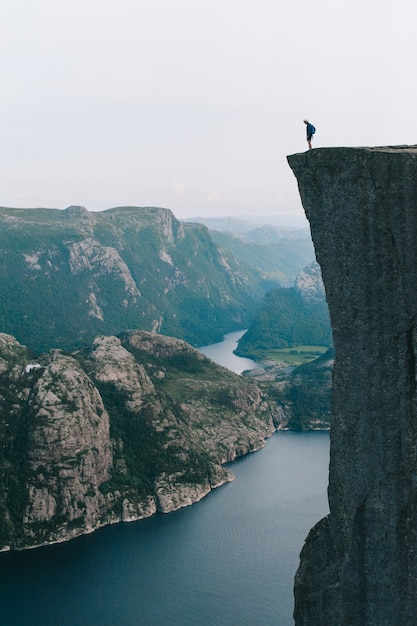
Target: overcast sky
(193,105)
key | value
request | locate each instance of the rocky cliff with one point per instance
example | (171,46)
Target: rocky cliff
(359,564)
(68,276)
(127,427)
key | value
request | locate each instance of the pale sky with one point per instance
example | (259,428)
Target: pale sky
(193,105)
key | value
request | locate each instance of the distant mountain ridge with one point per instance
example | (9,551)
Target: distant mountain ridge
(70,275)
(275,253)
(245,223)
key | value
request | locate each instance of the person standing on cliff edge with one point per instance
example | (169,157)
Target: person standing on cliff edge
(310,132)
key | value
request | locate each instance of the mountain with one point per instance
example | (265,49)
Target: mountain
(222,224)
(307,394)
(124,428)
(359,563)
(290,317)
(294,318)
(275,254)
(309,284)
(249,222)
(304,391)
(68,276)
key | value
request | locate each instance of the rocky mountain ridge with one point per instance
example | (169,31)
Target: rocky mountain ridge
(309,283)
(124,428)
(70,275)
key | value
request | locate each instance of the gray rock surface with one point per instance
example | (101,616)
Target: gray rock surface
(359,565)
(69,276)
(126,428)
(309,283)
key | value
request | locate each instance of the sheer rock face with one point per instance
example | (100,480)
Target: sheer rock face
(69,451)
(309,283)
(359,565)
(125,428)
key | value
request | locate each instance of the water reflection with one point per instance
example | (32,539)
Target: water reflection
(222,353)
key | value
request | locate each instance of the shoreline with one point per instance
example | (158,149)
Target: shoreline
(153,501)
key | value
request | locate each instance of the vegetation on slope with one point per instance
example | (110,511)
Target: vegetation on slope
(119,430)
(276,256)
(68,276)
(286,320)
(308,394)
(303,391)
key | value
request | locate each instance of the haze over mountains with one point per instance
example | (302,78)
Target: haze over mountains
(276,252)
(70,275)
(249,222)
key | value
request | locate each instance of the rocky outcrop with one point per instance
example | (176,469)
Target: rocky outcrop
(127,427)
(309,283)
(69,452)
(359,564)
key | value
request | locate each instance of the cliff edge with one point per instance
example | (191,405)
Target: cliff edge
(126,427)
(359,564)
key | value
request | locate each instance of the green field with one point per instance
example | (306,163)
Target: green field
(297,355)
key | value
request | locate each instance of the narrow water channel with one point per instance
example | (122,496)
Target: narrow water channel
(222,353)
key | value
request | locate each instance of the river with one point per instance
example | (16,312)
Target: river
(229,559)
(222,353)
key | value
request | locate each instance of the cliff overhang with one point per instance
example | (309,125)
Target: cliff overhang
(359,565)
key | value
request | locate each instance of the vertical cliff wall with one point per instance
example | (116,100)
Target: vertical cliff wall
(359,565)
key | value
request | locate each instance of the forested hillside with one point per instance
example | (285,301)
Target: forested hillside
(68,276)
(290,317)
(275,254)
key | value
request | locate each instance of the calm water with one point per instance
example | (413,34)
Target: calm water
(227,560)
(222,353)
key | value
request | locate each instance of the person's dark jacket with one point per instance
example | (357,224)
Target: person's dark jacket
(310,131)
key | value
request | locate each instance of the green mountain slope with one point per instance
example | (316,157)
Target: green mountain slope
(307,394)
(290,317)
(274,254)
(295,317)
(286,321)
(67,276)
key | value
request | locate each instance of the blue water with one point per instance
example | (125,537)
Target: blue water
(222,353)
(229,559)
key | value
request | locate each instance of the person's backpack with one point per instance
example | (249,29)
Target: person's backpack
(313,129)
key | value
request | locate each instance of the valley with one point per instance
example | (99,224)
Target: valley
(107,411)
